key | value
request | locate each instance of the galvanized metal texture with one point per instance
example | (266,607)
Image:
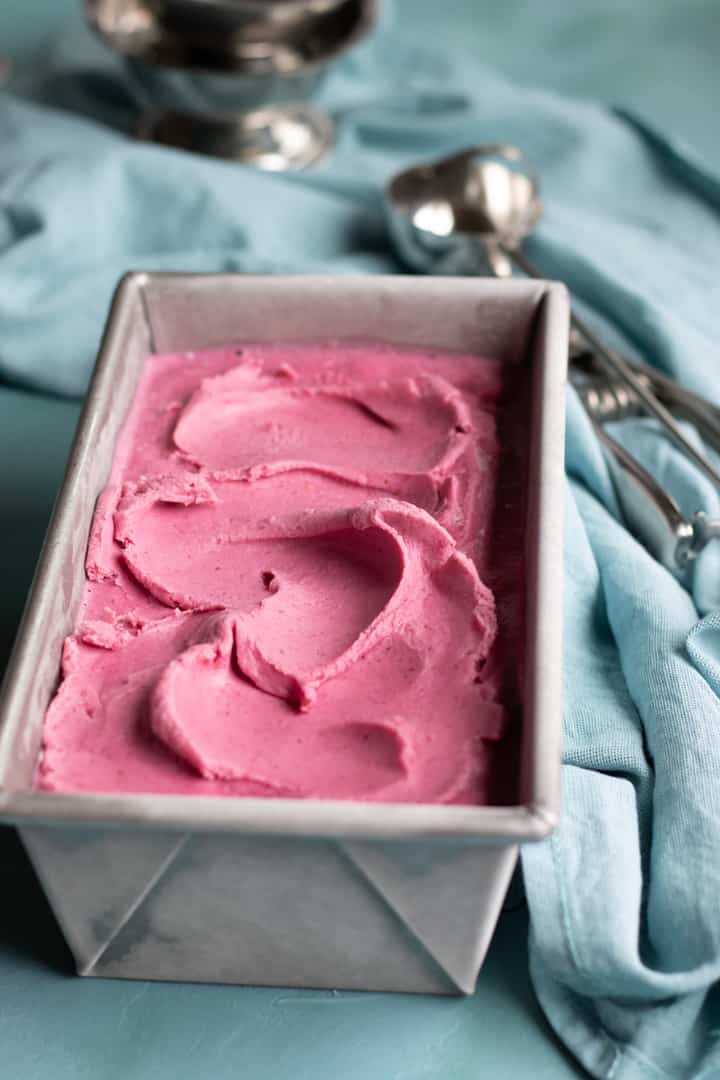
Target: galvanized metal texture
(275,891)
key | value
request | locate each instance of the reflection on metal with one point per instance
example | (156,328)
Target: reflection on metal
(202,66)
(274,138)
(463,214)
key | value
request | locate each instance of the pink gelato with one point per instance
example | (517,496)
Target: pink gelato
(286,583)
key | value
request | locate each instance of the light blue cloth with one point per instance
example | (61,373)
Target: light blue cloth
(625,897)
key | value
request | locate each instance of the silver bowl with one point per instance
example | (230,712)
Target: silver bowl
(212,56)
(232,78)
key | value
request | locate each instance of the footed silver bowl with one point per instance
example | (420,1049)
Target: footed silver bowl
(202,67)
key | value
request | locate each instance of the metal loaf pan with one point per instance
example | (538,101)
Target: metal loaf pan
(277,891)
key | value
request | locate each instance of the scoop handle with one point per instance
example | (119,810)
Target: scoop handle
(616,365)
(652,515)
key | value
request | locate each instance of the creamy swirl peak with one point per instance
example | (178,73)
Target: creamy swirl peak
(285,583)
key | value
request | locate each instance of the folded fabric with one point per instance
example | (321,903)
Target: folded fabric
(625,941)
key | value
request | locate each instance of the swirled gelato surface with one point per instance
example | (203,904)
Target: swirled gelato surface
(294,583)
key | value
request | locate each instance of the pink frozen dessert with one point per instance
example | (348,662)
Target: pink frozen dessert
(290,580)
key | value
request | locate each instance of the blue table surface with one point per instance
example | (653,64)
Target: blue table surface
(656,55)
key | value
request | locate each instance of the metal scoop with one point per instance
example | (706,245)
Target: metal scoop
(469,214)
